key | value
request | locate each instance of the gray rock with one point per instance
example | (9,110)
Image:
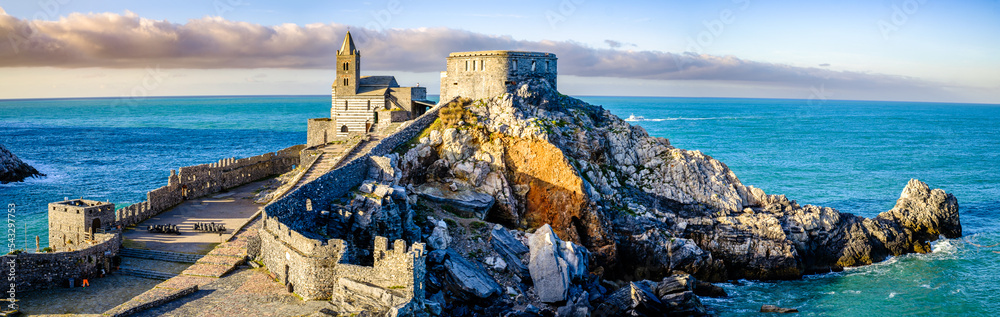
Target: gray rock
(510,248)
(554,264)
(466,280)
(776,309)
(12,169)
(476,204)
(496,263)
(439,238)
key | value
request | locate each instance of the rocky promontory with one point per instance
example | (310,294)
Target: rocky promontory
(535,203)
(645,209)
(12,169)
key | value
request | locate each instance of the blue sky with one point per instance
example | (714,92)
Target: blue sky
(923,50)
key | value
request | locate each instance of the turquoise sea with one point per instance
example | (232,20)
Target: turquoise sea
(855,156)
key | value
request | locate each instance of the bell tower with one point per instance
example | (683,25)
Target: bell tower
(348,68)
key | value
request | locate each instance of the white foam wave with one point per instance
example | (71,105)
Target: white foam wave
(944,246)
(892,294)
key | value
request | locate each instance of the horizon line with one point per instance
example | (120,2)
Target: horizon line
(609,96)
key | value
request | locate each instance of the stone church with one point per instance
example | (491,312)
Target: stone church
(362,104)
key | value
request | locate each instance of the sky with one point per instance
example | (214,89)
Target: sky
(899,50)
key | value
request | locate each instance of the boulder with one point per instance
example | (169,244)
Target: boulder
(466,280)
(510,249)
(439,238)
(12,169)
(467,202)
(554,264)
(776,309)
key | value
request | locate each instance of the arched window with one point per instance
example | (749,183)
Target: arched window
(346,67)
(546,66)
(466,65)
(345,81)
(473,65)
(482,65)
(532,65)
(514,67)
(369,105)
(343,128)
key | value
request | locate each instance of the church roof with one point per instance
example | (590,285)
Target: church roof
(371,91)
(348,47)
(380,81)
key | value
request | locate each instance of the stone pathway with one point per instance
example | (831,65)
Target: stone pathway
(223,259)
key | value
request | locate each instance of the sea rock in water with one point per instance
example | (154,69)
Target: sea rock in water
(776,309)
(12,169)
(554,264)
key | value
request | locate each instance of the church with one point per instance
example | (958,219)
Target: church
(363,104)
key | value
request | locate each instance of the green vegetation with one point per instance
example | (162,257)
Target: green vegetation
(16,252)
(477,225)
(451,223)
(47,249)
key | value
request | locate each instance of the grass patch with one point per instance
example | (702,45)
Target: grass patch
(132,244)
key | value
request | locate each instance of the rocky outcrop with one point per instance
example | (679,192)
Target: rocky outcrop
(673,296)
(554,264)
(12,169)
(510,249)
(465,202)
(461,279)
(643,208)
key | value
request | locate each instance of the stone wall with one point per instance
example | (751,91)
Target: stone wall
(206,179)
(320,131)
(71,222)
(290,208)
(487,74)
(35,271)
(315,267)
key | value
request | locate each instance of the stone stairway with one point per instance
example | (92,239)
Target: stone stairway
(360,150)
(160,255)
(330,159)
(146,273)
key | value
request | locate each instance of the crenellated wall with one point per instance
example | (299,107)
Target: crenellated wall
(206,179)
(316,267)
(47,270)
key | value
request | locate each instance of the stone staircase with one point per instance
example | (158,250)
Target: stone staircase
(330,159)
(137,272)
(160,255)
(359,150)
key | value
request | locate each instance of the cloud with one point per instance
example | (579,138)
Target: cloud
(126,40)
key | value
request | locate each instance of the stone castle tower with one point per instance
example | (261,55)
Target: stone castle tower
(72,223)
(487,74)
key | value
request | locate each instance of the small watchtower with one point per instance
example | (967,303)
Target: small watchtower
(72,223)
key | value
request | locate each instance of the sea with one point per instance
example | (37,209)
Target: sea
(855,156)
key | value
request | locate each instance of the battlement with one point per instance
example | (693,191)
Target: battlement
(74,223)
(487,74)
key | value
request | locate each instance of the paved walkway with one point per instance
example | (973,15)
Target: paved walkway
(230,208)
(221,260)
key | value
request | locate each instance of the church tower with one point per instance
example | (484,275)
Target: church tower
(348,68)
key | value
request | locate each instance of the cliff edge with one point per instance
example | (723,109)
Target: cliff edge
(12,169)
(643,208)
